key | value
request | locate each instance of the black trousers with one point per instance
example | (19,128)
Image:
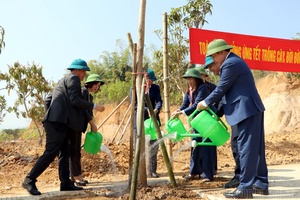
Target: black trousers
(75,153)
(153,150)
(57,143)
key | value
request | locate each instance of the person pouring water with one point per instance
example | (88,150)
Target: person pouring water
(91,85)
(153,91)
(244,109)
(200,163)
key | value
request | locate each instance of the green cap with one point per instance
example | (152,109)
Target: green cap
(94,78)
(151,75)
(216,46)
(202,70)
(192,73)
(79,64)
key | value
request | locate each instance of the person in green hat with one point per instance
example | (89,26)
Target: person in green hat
(153,90)
(91,85)
(203,158)
(210,87)
(66,114)
(244,109)
(234,182)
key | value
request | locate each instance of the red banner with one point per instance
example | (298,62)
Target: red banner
(260,53)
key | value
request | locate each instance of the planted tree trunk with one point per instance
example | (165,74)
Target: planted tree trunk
(166,79)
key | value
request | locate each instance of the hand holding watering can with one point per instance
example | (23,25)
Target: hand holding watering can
(200,106)
(176,113)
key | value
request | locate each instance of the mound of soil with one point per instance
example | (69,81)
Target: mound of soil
(108,172)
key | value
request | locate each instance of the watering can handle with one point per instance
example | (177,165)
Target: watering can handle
(192,115)
(219,119)
(169,123)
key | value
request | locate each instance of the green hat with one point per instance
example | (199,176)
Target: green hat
(94,78)
(79,64)
(202,70)
(208,60)
(192,73)
(216,46)
(151,75)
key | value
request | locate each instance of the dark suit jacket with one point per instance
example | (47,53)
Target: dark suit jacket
(236,88)
(88,97)
(65,105)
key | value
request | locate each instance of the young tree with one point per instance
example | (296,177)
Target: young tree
(179,21)
(2,99)
(31,88)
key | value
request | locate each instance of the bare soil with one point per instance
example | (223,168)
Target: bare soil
(108,174)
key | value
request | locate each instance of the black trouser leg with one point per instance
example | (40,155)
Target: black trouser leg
(55,136)
(75,153)
(153,150)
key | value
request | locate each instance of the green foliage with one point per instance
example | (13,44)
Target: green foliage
(30,134)
(31,88)
(10,134)
(5,136)
(2,108)
(113,92)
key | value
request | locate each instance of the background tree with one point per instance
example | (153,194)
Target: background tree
(115,68)
(2,108)
(2,99)
(31,88)
(2,43)
(179,21)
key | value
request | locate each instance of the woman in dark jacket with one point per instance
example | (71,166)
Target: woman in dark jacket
(92,85)
(196,92)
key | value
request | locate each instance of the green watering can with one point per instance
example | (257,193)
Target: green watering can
(150,128)
(92,142)
(174,128)
(209,126)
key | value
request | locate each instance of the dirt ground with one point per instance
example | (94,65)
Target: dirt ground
(282,123)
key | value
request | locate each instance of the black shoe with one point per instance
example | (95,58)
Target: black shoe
(233,183)
(83,180)
(239,194)
(257,190)
(80,183)
(154,175)
(29,185)
(69,187)
(192,176)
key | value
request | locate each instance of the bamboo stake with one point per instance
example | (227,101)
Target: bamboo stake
(138,146)
(133,98)
(124,129)
(121,123)
(112,112)
(166,79)
(140,110)
(161,142)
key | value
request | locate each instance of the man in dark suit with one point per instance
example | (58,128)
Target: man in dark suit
(235,181)
(242,107)
(66,113)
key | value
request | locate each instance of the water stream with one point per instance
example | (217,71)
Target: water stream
(106,150)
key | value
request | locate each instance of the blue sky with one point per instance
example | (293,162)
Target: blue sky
(54,33)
